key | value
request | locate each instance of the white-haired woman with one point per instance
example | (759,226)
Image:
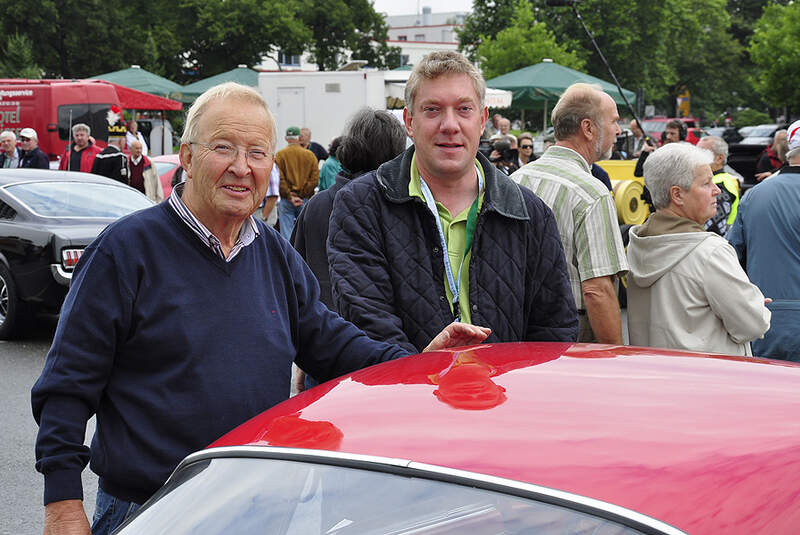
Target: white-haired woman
(686,289)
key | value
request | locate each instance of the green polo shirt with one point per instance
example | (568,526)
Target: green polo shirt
(455,235)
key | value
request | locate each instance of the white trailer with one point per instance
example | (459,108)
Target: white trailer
(321,101)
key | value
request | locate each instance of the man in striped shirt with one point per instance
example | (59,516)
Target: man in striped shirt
(585,125)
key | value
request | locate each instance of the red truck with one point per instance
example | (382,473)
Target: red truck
(51,106)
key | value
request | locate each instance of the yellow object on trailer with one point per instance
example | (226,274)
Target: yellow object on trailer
(627,191)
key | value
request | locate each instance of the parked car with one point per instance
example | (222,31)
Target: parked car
(655,126)
(508,438)
(762,134)
(47,218)
(166,166)
(728,133)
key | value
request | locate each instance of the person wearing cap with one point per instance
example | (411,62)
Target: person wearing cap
(9,153)
(32,155)
(299,176)
(112,162)
(766,236)
(80,156)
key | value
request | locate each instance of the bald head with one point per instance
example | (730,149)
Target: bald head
(136,148)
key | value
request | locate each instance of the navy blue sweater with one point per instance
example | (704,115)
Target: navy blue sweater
(171,347)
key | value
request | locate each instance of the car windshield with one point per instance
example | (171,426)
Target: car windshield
(163,167)
(655,126)
(78,199)
(762,131)
(249,496)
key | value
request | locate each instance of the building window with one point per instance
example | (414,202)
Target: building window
(402,38)
(419,37)
(403,59)
(288,59)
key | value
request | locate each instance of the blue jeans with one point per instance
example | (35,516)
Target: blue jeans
(110,512)
(287,215)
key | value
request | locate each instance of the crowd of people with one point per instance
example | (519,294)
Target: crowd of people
(183,320)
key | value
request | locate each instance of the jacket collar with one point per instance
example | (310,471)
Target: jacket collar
(501,195)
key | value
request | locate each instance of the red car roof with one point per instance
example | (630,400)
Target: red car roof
(706,443)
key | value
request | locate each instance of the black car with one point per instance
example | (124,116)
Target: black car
(47,218)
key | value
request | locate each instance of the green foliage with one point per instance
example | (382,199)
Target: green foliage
(185,40)
(662,47)
(340,26)
(748,117)
(525,42)
(17,60)
(487,19)
(775,50)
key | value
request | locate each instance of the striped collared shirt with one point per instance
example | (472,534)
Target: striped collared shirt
(585,213)
(248,233)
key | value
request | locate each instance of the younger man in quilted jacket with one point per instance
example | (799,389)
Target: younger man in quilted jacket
(439,234)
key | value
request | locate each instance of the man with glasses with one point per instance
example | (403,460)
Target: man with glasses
(9,153)
(182,321)
(32,155)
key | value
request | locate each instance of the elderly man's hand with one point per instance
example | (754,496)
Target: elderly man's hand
(66,517)
(458,334)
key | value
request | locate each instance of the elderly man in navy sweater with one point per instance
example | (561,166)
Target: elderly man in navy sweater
(182,322)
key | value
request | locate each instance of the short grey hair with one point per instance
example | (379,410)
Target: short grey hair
(718,146)
(8,134)
(81,127)
(440,63)
(674,164)
(373,137)
(228,90)
(580,101)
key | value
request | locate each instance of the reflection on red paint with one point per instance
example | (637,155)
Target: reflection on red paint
(467,384)
(295,432)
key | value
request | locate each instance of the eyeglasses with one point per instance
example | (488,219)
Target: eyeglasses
(526,146)
(256,157)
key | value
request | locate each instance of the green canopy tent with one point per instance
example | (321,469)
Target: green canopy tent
(240,74)
(540,86)
(137,78)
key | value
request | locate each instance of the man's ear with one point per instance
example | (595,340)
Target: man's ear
(186,159)
(485,117)
(407,121)
(588,129)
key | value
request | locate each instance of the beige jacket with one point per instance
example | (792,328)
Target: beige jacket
(686,290)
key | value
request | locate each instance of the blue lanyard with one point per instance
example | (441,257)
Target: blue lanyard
(453,282)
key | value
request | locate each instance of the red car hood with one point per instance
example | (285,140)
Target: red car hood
(706,443)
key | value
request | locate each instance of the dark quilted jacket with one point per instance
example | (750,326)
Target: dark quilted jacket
(387,272)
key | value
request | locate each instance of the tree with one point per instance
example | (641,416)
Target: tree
(342,29)
(219,34)
(775,50)
(524,43)
(18,59)
(487,19)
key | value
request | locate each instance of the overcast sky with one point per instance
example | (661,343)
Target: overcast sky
(410,7)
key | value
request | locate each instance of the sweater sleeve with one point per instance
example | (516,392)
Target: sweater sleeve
(733,298)
(361,284)
(552,312)
(94,314)
(327,345)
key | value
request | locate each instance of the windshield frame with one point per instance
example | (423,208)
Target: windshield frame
(407,468)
